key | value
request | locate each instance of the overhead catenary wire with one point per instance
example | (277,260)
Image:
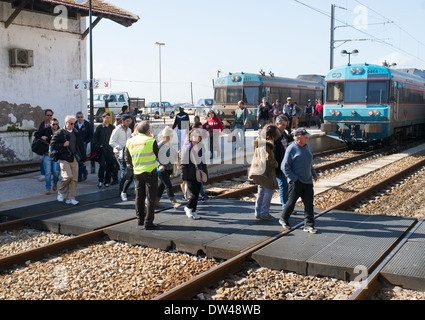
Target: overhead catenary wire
(373,38)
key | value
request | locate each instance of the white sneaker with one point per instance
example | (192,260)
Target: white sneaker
(123,196)
(60,197)
(190,214)
(72,201)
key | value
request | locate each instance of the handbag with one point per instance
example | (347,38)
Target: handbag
(201,176)
(39,146)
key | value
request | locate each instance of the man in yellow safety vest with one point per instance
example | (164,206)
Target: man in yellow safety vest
(141,155)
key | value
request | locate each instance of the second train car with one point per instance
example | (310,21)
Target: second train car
(370,103)
(252,88)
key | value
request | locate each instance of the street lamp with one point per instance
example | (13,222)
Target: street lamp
(160,86)
(355,52)
(81,2)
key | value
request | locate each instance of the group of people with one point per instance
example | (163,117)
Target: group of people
(268,113)
(132,150)
(212,125)
(283,161)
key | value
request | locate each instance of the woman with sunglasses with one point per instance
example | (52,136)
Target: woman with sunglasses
(49,166)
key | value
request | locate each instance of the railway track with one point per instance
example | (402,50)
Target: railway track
(191,288)
(14,170)
(188,289)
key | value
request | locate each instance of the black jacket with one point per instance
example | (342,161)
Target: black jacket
(279,149)
(180,117)
(58,140)
(102,136)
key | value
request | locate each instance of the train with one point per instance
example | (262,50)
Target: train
(366,103)
(252,88)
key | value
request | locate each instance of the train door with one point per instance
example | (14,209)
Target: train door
(395,101)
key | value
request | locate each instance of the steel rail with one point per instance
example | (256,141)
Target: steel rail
(208,278)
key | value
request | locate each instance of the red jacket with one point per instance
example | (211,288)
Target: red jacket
(213,124)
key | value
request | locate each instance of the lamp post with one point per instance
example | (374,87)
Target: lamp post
(160,84)
(91,72)
(355,52)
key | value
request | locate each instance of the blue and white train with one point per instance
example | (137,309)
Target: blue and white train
(366,103)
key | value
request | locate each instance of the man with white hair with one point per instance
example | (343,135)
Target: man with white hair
(69,145)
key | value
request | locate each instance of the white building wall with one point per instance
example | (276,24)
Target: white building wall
(59,58)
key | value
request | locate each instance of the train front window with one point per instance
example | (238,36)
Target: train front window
(335,92)
(250,95)
(377,92)
(220,95)
(234,95)
(355,92)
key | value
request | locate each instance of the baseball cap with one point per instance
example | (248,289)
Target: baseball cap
(301,132)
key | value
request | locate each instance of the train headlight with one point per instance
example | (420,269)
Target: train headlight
(337,113)
(370,113)
(232,78)
(353,70)
(238,78)
(359,70)
(353,113)
(376,113)
(332,112)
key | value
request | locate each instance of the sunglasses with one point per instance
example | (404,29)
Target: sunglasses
(49,115)
(71,123)
(55,124)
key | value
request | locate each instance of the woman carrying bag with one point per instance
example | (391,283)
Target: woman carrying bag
(50,167)
(194,170)
(263,170)
(167,157)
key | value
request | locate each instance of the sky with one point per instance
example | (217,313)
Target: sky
(286,37)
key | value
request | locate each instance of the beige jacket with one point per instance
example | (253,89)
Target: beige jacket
(263,166)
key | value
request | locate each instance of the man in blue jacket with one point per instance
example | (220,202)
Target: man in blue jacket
(297,166)
(85,129)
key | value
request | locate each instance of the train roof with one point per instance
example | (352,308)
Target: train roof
(302,81)
(371,71)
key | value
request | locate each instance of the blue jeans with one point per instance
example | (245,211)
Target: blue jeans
(264,198)
(50,168)
(283,188)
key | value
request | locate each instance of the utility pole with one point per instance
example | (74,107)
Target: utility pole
(332,43)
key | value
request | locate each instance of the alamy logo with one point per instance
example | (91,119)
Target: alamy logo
(361,18)
(61,20)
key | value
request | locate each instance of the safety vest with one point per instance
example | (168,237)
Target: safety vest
(140,148)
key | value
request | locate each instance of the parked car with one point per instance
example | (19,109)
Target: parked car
(202,107)
(152,109)
(113,103)
(189,108)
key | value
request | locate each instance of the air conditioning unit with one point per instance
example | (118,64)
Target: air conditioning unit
(21,58)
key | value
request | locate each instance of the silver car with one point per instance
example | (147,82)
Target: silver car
(202,107)
(152,109)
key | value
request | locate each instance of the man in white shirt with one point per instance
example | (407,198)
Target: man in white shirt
(118,140)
